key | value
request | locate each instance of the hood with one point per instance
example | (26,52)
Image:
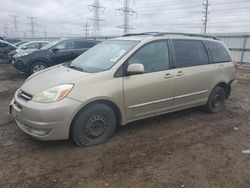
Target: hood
(51,77)
(18,50)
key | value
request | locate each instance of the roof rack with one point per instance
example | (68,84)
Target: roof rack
(187,34)
(144,33)
(157,34)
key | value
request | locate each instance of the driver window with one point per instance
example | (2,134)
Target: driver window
(154,57)
(32,46)
(65,45)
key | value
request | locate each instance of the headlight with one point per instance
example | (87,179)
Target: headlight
(23,54)
(54,94)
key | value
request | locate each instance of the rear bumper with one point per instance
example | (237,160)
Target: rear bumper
(49,121)
(233,83)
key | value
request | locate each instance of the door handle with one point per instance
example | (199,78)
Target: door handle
(180,73)
(168,75)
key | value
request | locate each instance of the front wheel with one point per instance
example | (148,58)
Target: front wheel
(37,66)
(216,100)
(93,125)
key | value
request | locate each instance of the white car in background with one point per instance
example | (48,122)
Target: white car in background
(34,45)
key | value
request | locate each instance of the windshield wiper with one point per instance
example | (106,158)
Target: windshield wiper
(76,68)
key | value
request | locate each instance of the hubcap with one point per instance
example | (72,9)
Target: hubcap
(96,126)
(216,101)
(38,67)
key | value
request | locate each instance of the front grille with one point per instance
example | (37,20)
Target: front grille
(25,96)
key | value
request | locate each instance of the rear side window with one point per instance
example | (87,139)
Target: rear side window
(218,52)
(189,53)
(84,44)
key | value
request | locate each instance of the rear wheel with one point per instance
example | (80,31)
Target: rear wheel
(37,66)
(216,100)
(93,125)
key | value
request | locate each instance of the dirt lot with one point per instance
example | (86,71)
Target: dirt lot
(186,149)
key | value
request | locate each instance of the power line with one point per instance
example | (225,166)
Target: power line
(126,11)
(32,26)
(97,9)
(205,15)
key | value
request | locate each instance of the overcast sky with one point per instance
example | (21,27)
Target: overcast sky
(66,17)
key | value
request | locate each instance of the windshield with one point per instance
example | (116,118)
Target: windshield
(103,56)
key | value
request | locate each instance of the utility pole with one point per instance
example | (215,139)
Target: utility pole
(5,30)
(126,11)
(86,29)
(32,26)
(205,15)
(24,35)
(45,34)
(97,9)
(16,33)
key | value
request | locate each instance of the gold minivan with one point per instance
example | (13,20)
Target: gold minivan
(123,80)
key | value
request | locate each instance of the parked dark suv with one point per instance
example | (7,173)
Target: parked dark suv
(31,61)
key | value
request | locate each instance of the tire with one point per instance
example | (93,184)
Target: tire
(216,100)
(37,66)
(93,125)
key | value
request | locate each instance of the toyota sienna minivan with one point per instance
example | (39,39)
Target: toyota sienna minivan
(123,80)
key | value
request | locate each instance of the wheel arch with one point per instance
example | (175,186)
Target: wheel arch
(38,60)
(109,103)
(226,87)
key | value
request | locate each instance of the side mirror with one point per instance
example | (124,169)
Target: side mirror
(55,50)
(136,68)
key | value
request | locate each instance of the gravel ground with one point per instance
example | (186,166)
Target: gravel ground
(187,149)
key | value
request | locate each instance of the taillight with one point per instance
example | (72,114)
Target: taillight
(236,64)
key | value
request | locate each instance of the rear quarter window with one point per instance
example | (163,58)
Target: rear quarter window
(218,52)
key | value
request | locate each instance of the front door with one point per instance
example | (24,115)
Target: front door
(151,92)
(62,52)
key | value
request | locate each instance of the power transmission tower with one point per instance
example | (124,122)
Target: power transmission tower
(5,30)
(16,32)
(126,11)
(86,29)
(97,9)
(205,13)
(32,26)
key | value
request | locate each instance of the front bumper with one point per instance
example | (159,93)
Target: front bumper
(19,64)
(42,121)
